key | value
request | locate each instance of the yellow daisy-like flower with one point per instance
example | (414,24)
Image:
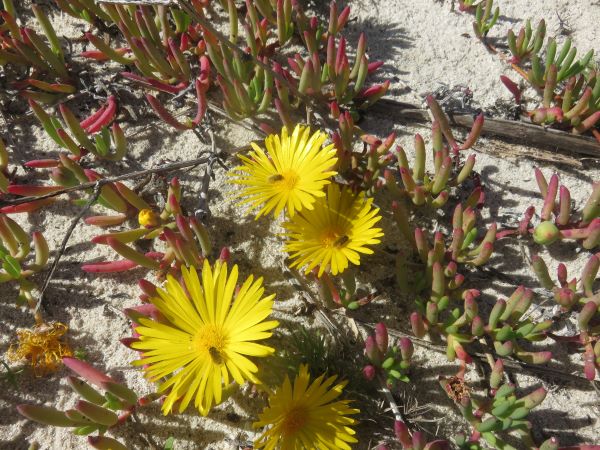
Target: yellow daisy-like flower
(290,174)
(335,232)
(306,416)
(210,332)
(42,347)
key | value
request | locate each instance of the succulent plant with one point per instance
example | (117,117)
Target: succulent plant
(429,189)
(22,46)
(558,65)
(502,413)
(202,83)
(95,412)
(15,258)
(484,20)
(508,324)
(246,86)
(558,220)
(526,43)
(460,250)
(185,237)
(415,440)
(90,135)
(578,296)
(4,174)
(264,58)
(153,46)
(389,362)
(67,172)
(569,87)
(504,327)
(467,5)
(87,10)
(373,168)
(324,72)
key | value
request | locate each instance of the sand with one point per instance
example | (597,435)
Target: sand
(425,46)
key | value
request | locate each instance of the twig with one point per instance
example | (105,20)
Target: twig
(63,245)
(390,398)
(203,211)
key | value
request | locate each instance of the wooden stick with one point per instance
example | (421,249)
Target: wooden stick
(510,130)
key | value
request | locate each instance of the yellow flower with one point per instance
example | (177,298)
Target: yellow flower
(208,335)
(42,347)
(306,417)
(290,174)
(148,218)
(335,232)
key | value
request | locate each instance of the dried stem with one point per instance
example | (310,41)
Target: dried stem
(65,241)
(137,174)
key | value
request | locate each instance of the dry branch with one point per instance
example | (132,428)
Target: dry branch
(128,176)
(510,130)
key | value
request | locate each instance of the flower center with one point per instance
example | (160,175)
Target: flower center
(287,180)
(210,339)
(334,237)
(294,420)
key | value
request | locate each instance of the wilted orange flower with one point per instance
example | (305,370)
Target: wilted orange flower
(42,347)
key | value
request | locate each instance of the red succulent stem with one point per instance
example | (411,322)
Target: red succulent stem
(109,266)
(165,115)
(85,123)
(512,87)
(41,163)
(27,207)
(202,104)
(103,119)
(373,66)
(335,295)
(32,190)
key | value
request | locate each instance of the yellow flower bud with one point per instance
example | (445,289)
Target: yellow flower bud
(148,218)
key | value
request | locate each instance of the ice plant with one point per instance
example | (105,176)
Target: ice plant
(208,331)
(84,9)
(153,47)
(185,237)
(441,259)
(94,412)
(290,174)
(577,295)
(497,416)
(484,20)
(559,220)
(42,347)
(22,46)
(90,135)
(334,233)
(415,440)
(362,170)
(432,189)
(389,361)
(305,415)
(16,261)
(568,87)
(526,43)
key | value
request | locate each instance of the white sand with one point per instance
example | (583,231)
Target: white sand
(423,46)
